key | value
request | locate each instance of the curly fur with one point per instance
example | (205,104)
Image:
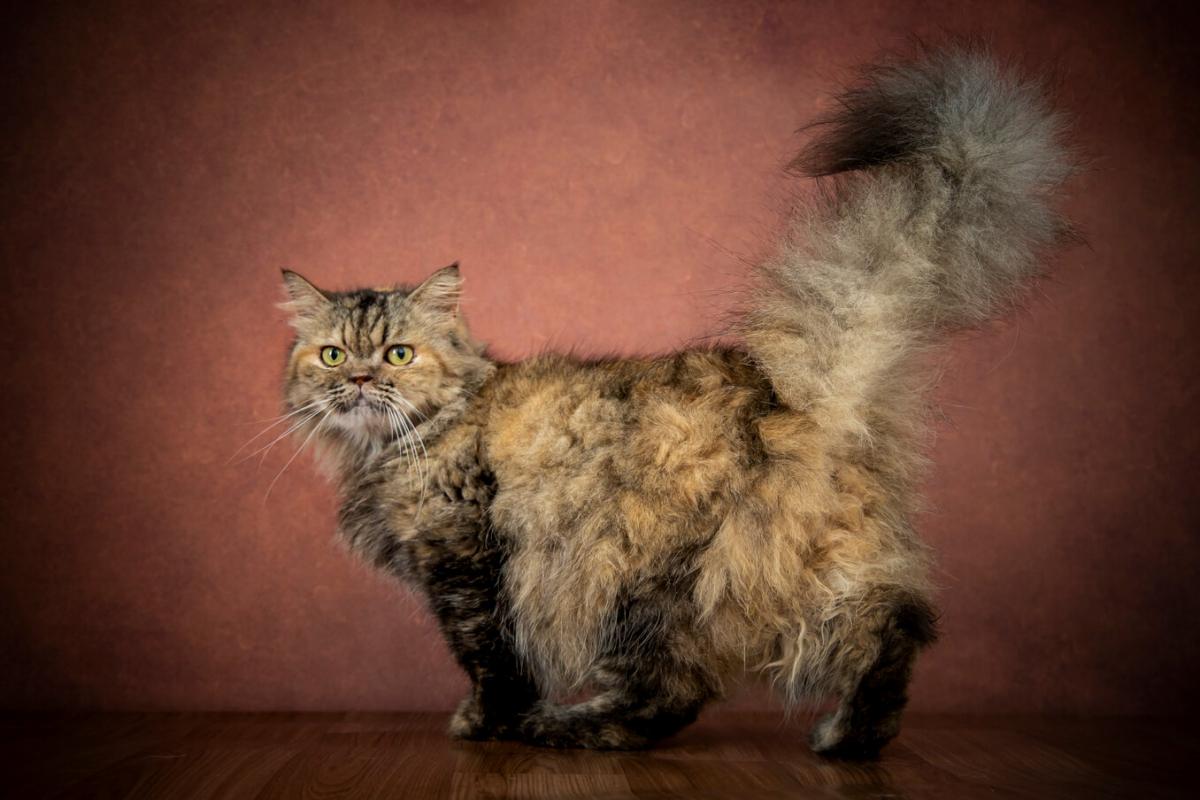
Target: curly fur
(645,529)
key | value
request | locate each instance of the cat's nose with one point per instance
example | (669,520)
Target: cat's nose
(361,379)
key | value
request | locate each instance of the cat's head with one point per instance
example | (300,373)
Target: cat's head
(367,365)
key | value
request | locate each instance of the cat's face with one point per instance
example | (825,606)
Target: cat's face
(368,365)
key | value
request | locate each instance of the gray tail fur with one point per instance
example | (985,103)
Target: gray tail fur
(939,228)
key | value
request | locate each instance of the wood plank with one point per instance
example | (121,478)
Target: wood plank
(726,755)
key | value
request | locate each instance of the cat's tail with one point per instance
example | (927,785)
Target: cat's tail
(937,227)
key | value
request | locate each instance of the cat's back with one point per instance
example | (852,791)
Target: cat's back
(649,437)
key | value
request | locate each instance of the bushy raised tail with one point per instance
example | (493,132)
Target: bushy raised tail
(939,228)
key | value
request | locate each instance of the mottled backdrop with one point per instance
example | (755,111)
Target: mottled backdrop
(603,171)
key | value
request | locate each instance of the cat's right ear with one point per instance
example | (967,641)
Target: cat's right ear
(304,301)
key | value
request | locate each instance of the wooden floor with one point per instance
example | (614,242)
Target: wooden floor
(723,756)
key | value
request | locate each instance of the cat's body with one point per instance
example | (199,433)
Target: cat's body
(665,518)
(649,528)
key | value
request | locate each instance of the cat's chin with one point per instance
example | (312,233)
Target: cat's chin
(362,420)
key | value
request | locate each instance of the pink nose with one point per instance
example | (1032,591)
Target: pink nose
(361,379)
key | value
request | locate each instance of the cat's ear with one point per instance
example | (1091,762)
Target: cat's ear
(305,301)
(441,291)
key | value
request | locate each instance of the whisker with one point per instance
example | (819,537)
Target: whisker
(411,433)
(408,403)
(417,433)
(303,444)
(415,457)
(397,432)
(282,416)
(277,421)
(416,411)
(266,448)
(409,448)
(410,451)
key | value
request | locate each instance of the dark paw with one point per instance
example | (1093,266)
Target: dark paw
(540,732)
(471,723)
(556,727)
(832,738)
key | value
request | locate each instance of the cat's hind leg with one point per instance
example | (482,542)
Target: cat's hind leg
(635,708)
(874,681)
(651,680)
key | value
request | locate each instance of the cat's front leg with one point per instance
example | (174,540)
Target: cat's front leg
(493,709)
(501,692)
(460,562)
(462,580)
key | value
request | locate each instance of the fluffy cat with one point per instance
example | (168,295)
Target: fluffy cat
(647,528)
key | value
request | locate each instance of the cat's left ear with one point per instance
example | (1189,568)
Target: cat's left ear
(441,291)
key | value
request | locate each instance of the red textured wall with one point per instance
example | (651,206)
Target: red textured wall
(599,169)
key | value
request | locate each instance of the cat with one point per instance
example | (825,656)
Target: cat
(647,529)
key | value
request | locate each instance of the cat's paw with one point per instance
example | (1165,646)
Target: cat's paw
(548,725)
(470,722)
(536,731)
(834,737)
(827,734)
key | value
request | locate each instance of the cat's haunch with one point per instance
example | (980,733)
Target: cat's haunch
(648,528)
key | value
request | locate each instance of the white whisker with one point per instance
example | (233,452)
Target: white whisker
(422,460)
(397,432)
(277,421)
(267,448)
(408,403)
(414,456)
(416,433)
(412,438)
(303,444)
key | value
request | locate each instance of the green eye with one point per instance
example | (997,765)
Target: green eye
(399,355)
(332,356)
